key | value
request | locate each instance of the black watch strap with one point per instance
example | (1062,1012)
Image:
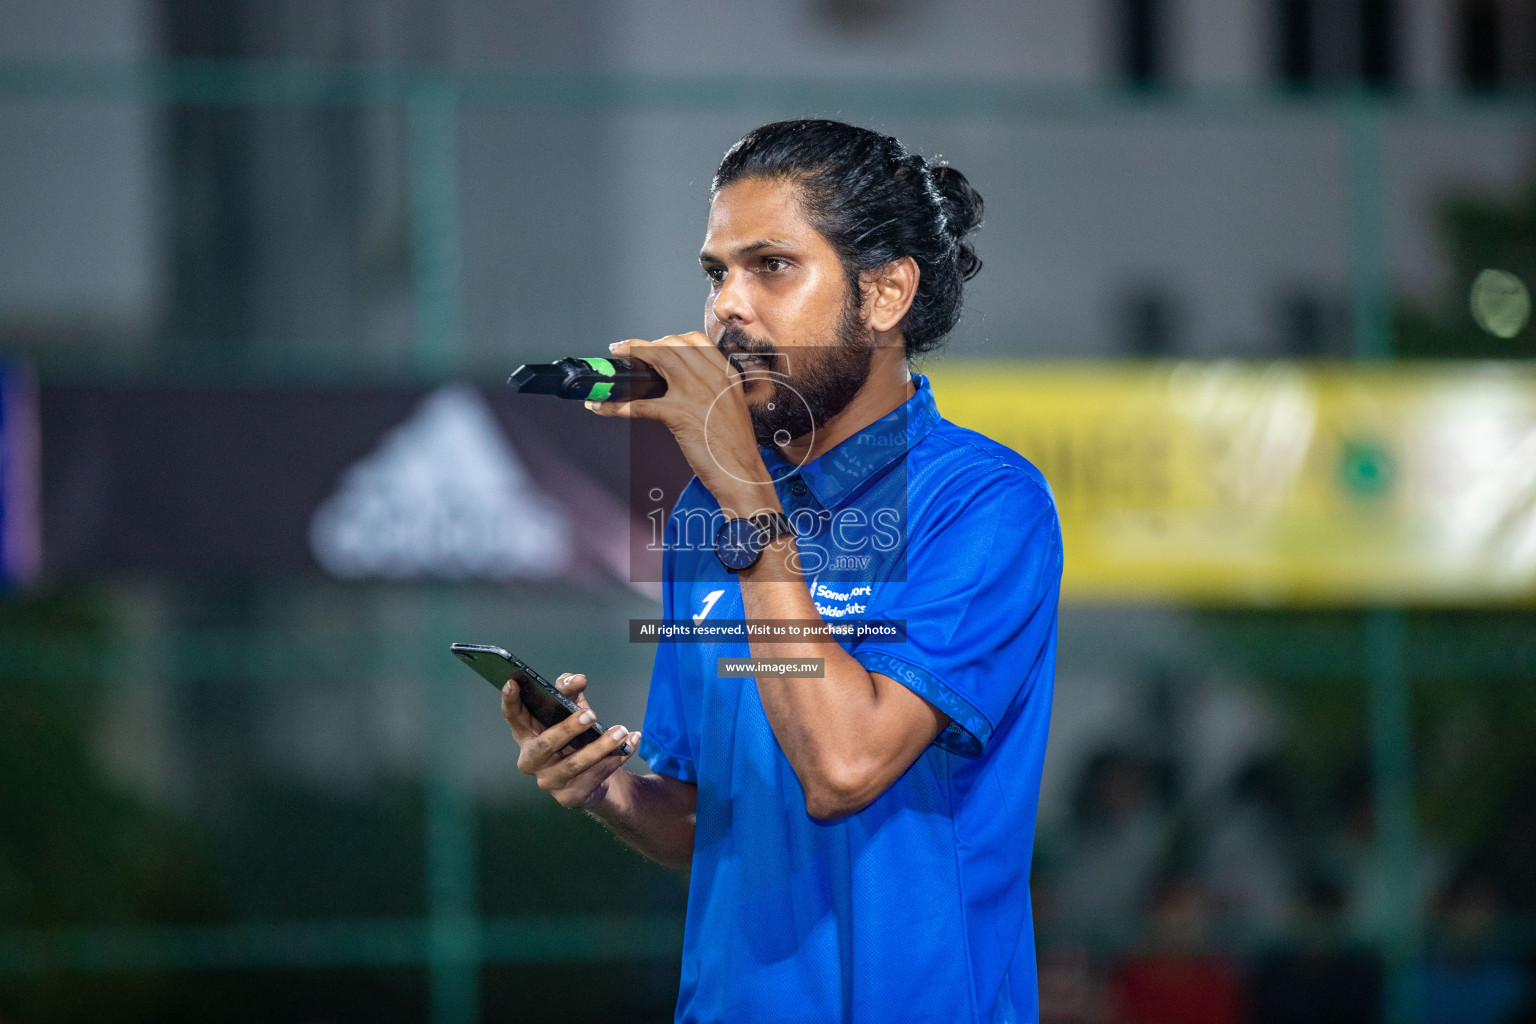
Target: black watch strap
(773,526)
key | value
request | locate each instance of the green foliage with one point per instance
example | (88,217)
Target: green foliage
(541,858)
(1475,758)
(75,850)
(1477,231)
(289,852)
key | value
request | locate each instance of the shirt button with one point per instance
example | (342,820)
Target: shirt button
(798,488)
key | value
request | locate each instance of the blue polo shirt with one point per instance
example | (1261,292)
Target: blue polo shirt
(917,907)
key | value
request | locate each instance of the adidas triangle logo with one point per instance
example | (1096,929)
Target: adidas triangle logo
(443,495)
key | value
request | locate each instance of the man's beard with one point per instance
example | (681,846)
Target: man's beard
(823,381)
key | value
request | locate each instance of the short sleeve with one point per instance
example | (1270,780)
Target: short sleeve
(982,581)
(666,742)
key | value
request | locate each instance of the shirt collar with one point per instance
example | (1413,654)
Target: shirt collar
(836,475)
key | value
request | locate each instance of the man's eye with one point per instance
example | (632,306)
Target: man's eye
(715,274)
(774,264)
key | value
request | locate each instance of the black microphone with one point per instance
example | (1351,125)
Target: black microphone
(590,379)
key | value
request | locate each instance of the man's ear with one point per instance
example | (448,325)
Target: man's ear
(888,293)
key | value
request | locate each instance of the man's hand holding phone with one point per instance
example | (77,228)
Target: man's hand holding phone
(576,777)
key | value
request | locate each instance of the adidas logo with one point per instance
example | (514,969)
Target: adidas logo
(442,495)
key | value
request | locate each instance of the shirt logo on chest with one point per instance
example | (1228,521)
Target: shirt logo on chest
(709,602)
(841,599)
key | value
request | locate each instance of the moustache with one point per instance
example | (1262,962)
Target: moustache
(735,342)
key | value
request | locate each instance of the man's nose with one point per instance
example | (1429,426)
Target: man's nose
(730,305)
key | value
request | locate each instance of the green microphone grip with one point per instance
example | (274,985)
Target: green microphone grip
(590,379)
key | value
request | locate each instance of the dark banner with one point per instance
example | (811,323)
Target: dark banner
(457,482)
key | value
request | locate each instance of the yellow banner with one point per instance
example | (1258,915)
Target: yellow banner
(1244,483)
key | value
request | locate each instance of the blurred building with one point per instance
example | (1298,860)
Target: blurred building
(1163,178)
(1126,225)
(1163,187)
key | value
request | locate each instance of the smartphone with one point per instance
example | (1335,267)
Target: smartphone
(538,694)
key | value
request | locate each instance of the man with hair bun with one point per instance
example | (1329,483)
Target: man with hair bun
(859,840)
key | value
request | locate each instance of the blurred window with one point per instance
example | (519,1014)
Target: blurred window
(1310,323)
(1294,41)
(210,155)
(1151,320)
(1140,42)
(1336,42)
(860,15)
(1477,24)
(1495,42)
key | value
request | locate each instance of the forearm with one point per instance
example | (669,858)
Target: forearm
(846,735)
(816,719)
(651,813)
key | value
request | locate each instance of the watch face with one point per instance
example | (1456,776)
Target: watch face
(738,544)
